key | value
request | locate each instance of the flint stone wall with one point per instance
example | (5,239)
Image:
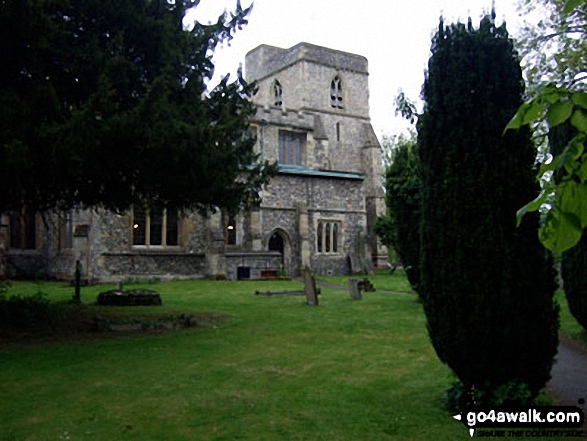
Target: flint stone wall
(258,264)
(116,258)
(149,264)
(326,199)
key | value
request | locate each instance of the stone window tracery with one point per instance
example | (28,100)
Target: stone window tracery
(336,101)
(328,237)
(156,227)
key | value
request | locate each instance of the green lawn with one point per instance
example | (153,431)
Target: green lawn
(383,280)
(275,369)
(568,324)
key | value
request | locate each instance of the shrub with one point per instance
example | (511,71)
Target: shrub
(20,312)
(512,393)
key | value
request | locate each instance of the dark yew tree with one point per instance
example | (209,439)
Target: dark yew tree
(401,227)
(574,274)
(104,104)
(487,285)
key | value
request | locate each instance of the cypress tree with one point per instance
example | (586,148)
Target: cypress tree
(486,285)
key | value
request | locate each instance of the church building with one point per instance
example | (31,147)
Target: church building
(318,212)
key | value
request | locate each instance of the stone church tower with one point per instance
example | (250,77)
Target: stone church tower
(313,119)
(319,211)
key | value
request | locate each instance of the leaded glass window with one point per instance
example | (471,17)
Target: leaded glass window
(156,228)
(328,237)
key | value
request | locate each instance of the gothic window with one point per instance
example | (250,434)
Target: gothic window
(336,93)
(291,145)
(156,227)
(277,94)
(23,230)
(230,232)
(65,231)
(328,237)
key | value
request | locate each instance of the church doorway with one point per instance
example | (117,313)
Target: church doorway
(276,244)
(279,241)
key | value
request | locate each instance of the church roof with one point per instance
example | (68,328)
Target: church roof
(319,173)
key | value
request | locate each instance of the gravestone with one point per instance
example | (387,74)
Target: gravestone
(355,289)
(310,287)
(77,280)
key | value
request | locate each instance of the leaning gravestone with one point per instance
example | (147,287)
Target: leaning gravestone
(310,283)
(355,289)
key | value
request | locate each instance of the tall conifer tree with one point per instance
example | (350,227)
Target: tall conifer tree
(486,285)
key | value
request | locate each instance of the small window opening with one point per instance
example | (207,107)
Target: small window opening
(336,93)
(278,94)
(231,230)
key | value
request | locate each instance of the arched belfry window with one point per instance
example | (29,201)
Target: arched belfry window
(277,94)
(336,93)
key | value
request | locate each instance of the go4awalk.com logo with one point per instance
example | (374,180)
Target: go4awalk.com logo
(535,422)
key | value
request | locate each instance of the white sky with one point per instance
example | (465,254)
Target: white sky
(394,35)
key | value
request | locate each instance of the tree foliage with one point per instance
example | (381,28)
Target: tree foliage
(486,285)
(400,227)
(104,104)
(574,260)
(556,54)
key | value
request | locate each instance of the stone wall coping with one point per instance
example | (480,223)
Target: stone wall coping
(288,118)
(252,254)
(314,210)
(302,118)
(23,252)
(151,252)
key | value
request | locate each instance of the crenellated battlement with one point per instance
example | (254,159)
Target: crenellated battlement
(268,60)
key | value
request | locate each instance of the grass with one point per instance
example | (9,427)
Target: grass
(383,281)
(275,369)
(568,324)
